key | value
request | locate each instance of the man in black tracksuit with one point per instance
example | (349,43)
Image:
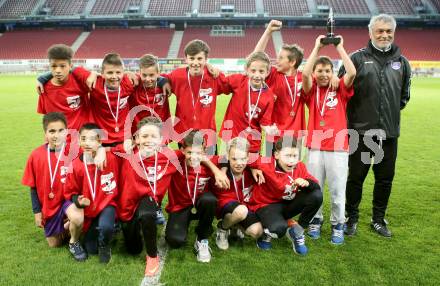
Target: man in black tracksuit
(381,90)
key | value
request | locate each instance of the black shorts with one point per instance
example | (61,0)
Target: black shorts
(250,219)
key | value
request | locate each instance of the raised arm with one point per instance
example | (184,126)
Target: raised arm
(350,70)
(307,80)
(274,25)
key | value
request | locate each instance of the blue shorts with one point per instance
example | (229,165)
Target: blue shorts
(55,225)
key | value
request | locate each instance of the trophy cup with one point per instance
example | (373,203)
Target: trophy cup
(330,38)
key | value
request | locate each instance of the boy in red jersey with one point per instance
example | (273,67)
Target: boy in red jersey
(62,92)
(196,91)
(94,190)
(109,98)
(285,80)
(190,198)
(232,203)
(250,109)
(147,175)
(327,138)
(288,190)
(148,93)
(45,174)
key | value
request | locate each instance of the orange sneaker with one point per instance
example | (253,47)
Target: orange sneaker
(152,265)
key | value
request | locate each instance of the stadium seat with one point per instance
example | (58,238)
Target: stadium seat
(227,47)
(346,7)
(403,7)
(63,7)
(130,43)
(12,9)
(241,6)
(33,44)
(113,7)
(286,7)
(169,8)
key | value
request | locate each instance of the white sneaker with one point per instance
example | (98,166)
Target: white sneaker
(203,251)
(221,239)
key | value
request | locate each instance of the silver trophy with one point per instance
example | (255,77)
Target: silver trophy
(330,38)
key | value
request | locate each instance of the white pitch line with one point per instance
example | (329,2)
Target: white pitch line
(162,249)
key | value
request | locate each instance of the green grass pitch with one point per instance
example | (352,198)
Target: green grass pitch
(411,257)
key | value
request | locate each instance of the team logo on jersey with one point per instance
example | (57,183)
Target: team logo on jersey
(159,98)
(73,101)
(63,173)
(247,193)
(150,173)
(108,184)
(396,65)
(299,87)
(202,184)
(123,102)
(289,192)
(332,101)
(205,96)
(255,113)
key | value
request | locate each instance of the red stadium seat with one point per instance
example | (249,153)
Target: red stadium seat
(403,7)
(33,44)
(130,43)
(227,47)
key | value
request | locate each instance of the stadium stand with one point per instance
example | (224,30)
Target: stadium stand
(436,4)
(403,7)
(33,44)
(227,47)
(12,9)
(286,7)
(169,8)
(65,7)
(130,43)
(241,6)
(346,7)
(105,7)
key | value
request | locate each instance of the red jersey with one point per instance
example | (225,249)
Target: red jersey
(288,110)
(71,99)
(278,185)
(137,182)
(106,187)
(187,187)
(196,100)
(240,191)
(328,132)
(152,98)
(104,108)
(238,112)
(37,175)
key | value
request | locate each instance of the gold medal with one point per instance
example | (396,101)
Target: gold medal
(116,129)
(322,123)
(51,195)
(292,113)
(193,210)
(249,129)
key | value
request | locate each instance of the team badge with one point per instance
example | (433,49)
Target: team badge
(74,101)
(108,184)
(396,65)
